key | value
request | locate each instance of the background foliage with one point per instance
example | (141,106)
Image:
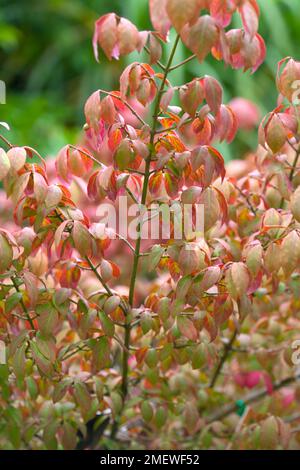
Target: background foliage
(48,66)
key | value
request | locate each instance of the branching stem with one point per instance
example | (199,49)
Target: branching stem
(124,383)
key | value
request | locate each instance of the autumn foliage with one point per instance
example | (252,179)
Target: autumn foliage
(180,344)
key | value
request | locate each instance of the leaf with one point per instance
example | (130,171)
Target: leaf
(61,163)
(69,436)
(31,284)
(117,403)
(160,417)
(199,357)
(4,164)
(249,12)
(154,257)
(211,326)
(290,253)
(12,301)
(159,17)
(127,36)
(106,35)
(83,398)
(60,389)
(6,254)
(147,411)
(269,433)
(82,238)
(106,324)
(187,328)
(295,204)
(61,296)
(54,196)
(220,11)
(201,36)
(47,319)
(191,96)
(92,115)
(19,361)
(146,321)
(155,49)
(183,286)
(275,134)
(254,258)
(108,110)
(43,362)
(212,211)
(165,102)
(5,125)
(288,77)
(213,93)
(40,187)
(49,435)
(124,154)
(180,14)
(191,259)
(237,280)
(151,358)
(207,278)
(101,354)
(155,184)
(171,184)
(17,157)
(78,164)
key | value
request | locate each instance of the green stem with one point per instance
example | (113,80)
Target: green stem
(227,350)
(98,276)
(185,61)
(23,305)
(124,383)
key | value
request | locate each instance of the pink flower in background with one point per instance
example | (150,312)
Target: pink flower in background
(252,379)
(247,113)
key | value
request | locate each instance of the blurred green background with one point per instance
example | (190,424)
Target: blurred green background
(48,66)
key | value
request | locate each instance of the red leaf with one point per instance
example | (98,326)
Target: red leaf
(250,12)
(187,328)
(201,36)
(191,96)
(220,11)
(180,14)
(213,93)
(159,17)
(106,35)
(128,37)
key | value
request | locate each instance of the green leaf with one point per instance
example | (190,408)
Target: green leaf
(160,417)
(101,354)
(83,398)
(19,362)
(12,301)
(187,328)
(147,411)
(48,318)
(107,325)
(151,358)
(154,257)
(60,389)
(183,286)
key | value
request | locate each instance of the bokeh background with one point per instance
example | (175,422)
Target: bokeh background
(48,66)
